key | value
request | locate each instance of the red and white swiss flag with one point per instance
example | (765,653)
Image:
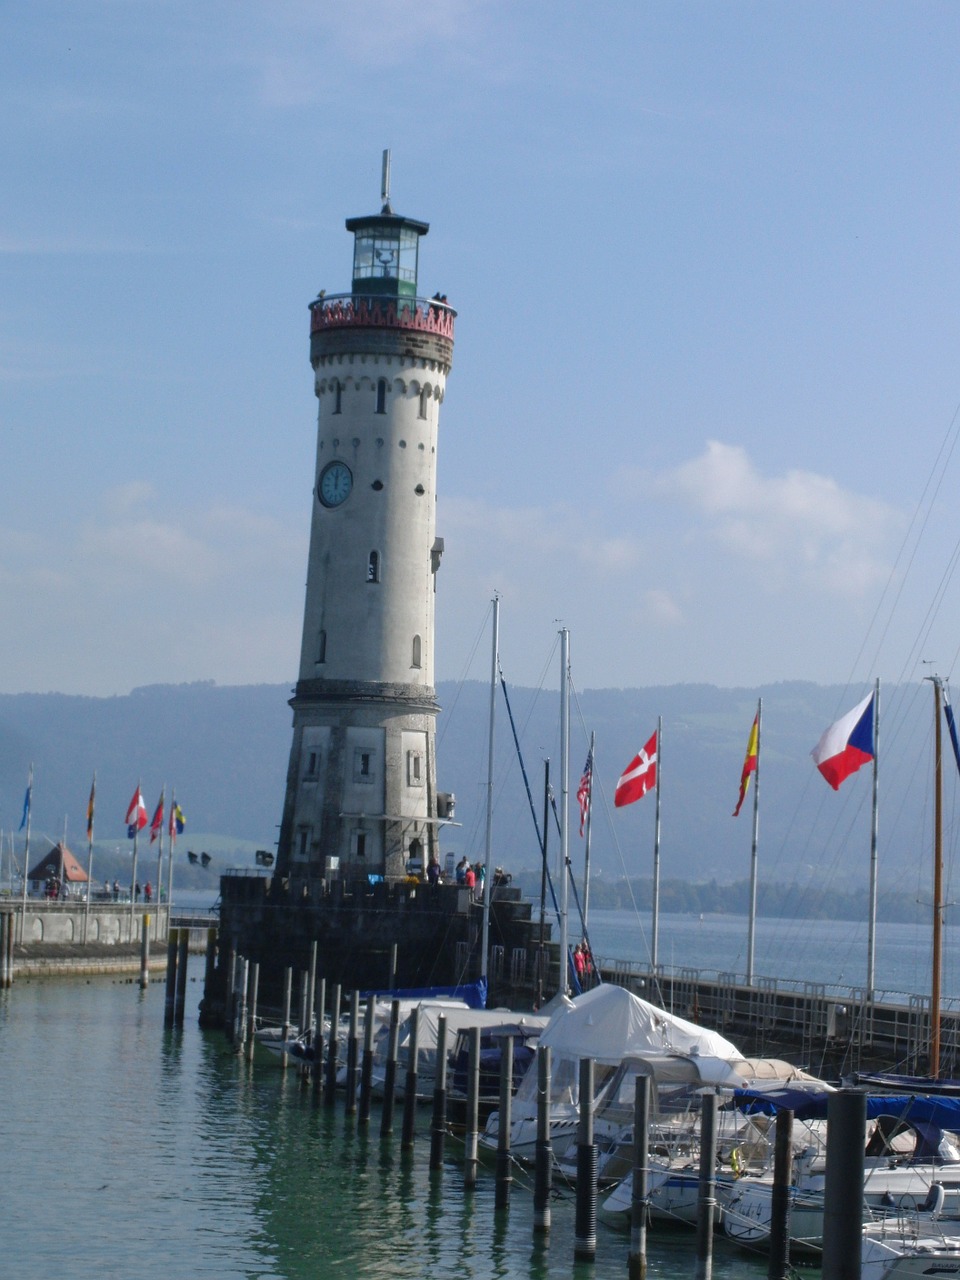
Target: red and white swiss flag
(136,813)
(639,777)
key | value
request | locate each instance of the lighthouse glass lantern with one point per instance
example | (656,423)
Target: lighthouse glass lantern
(385,250)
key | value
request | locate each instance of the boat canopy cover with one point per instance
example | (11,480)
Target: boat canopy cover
(811,1104)
(609,1024)
(473,994)
(502,1022)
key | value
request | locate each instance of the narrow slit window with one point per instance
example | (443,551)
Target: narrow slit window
(424,401)
(373,567)
(337,396)
(417,651)
(313,761)
(382,396)
(321,647)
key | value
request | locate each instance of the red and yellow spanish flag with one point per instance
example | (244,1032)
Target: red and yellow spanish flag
(749,762)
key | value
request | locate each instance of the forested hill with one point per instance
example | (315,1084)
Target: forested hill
(225,751)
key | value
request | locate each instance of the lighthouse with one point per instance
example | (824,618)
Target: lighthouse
(361,795)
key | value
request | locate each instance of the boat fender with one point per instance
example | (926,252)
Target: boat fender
(736,1162)
(934,1201)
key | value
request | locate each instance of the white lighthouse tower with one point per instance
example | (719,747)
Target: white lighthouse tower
(361,792)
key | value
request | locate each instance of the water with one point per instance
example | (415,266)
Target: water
(135,1151)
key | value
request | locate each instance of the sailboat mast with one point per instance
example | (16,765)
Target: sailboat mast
(487,882)
(937,885)
(564,803)
(752,926)
(543,879)
(655,924)
(874,830)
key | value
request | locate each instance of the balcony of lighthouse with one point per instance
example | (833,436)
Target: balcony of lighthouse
(372,311)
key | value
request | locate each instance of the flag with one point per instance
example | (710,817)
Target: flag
(90,804)
(952,726)
(136,818)
(27,801)
(639,776)
(750,762)
(846,745)
(177,822)
(583,791)
(156,823)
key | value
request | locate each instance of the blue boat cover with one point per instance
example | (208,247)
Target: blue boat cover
(473,994)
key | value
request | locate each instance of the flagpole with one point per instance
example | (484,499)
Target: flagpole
(163,795)
(564,802)
(26,854)
(90,804)
(934,1063)
(752,926)
(874,826)
(586,851)
(655,949)
(488,843)
(136,837)
(170,846)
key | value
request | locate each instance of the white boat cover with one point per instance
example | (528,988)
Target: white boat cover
(609,1024)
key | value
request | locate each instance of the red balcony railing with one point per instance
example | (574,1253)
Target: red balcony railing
(352,310)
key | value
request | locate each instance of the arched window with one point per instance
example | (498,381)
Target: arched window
(382,396)
(424,401)
(321,647)
(337,394)
(417,651)
(373,567)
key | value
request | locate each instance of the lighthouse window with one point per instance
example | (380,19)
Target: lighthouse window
(302,837)
(424,401)
(321,647)
(360,844)
(373,567)
(337,393)
(363,766)
(414,769)
(417,648)
(382,396)
(313,761)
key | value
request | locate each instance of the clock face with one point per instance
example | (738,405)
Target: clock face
(334,484)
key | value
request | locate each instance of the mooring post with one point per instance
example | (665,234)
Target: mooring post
(366,1066)
(504,1177)
(303,1025)
(242,1009)
(351,1077)
(144,951)
(438,1126)
(183,956)
(390,1071)
(170,990)
(585,1232)
(229,1011)
(843,1188)
(311,989)
(252,1009)
(779,1263)
(333,1050)
(4,925)
(637,1258)
(470,1159)
(543,1168)
(412,1084)
(706,1195)
(393,966)
(287,1002)
(319,1021)
(210,960)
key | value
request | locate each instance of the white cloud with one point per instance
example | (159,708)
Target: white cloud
(796,523)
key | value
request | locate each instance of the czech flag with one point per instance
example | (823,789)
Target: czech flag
(136,818)
(639,776)
(847,744)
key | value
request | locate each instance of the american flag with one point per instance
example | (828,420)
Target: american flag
(583,790)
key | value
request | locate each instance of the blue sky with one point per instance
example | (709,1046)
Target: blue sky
(705,261)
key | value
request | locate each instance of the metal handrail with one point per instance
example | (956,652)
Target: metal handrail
(374,311)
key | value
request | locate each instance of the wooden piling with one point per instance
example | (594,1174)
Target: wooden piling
(411,1084)
(504,1175)
(241,1031)
(778,1266)
(170,990)
(637,1257)
(252,1009)
(303,1024)
(351,1078)
(210,960)
(312,984)
(543,1167)
(470,1160)
(366,1066)
(183,956)
(229,1010)
(585,1230)
(438,1123)
(390,1071)
(319,1019)
(843,1188)
(287,998)
(4,926)
(706,1196)
(333,1048)
(393,967)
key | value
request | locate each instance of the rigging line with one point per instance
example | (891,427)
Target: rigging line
(461,681)
(523,767)
(952,430)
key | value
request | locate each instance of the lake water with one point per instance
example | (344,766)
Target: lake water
(132,1151)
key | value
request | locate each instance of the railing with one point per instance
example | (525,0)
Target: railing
(353,310)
